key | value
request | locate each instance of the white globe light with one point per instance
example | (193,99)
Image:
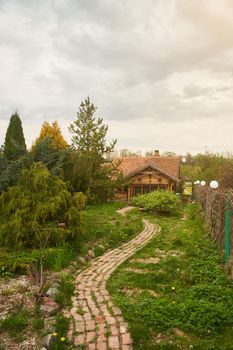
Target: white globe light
(203,183)
(214,185)
(183,160)
(197,182)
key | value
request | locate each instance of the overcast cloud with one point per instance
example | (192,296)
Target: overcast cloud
(159,71)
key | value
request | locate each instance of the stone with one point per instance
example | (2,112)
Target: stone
(179,332)
(48,341)
(52,292)
(49,310)
(91,254)
(82,260)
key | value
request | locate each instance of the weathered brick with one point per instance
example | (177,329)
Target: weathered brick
(101,346)
(91,337)
(90,325)
(126,339)
(79,340)
(113,342)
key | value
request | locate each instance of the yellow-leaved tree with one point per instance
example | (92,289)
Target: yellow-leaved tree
(53,132)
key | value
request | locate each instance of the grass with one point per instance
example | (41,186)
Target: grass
(184,301)
(105,229)
(66,290)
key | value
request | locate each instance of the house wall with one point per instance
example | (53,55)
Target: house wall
(144,182)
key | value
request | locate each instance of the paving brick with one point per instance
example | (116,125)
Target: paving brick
(79,340)
(94,280)
(87,317)
(110,320)
(126,339)
(90,337)
(77,317)
(80,327)
(127,347)
(113,342)
(101,346)
(114,330)
(90,325)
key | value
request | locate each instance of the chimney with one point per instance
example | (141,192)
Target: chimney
(156,153)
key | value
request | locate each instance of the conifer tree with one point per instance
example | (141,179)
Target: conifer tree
(94,170)
(89,135)
(53,132)
(15,145)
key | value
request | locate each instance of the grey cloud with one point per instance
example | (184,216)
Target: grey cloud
(137,61)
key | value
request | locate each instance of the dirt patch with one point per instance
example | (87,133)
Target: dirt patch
(123,211)
(16,293)
(138,291)
(146,261)
(140,271)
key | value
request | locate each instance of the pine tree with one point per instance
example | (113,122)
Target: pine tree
(96,171)
(89,135)
(15,145)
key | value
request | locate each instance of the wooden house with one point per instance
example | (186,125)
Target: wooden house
(146,174)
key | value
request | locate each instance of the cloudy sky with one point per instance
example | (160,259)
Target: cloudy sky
(159,71)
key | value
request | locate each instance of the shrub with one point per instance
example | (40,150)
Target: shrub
(158,200)
(40,200)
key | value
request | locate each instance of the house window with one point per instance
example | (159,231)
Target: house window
(154,187)
(137,190)
(146,188)
(163,187)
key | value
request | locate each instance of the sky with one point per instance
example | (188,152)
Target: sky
(159,71)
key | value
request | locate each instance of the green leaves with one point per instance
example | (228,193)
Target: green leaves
(158,200)
(39,200)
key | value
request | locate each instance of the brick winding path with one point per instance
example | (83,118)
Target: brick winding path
(97,323)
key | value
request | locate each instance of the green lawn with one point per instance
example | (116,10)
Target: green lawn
(181,299)
(104,229)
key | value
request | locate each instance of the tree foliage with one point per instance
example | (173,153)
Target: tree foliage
(39,200)
(90,166)
(43,151)
(89,135)
(15,145)
(158,200)
(208,167)
(53,132)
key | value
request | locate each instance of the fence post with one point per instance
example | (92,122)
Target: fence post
(227,229)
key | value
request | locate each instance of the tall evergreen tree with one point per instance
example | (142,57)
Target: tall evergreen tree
(89,135)
(94,170)
(15,145)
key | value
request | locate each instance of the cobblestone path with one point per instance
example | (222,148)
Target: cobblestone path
(97,323)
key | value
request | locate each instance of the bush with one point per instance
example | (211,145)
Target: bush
(40,200)
(158,200)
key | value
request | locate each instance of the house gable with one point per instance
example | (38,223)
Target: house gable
(151,170)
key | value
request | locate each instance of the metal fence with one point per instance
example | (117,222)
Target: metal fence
(217,208)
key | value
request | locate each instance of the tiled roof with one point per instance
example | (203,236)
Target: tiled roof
(169,165)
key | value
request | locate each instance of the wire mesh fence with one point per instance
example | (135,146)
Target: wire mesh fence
(217,207)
